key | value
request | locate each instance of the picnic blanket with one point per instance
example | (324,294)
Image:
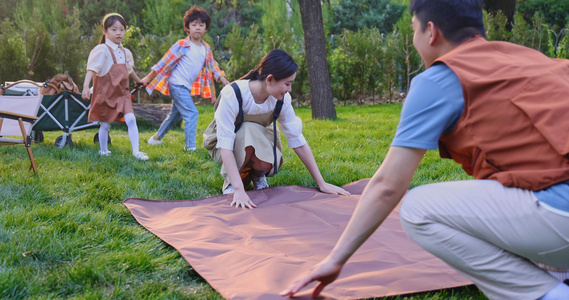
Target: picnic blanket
(256,253)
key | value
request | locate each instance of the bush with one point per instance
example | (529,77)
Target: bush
(496,27)
(373,60)
(11,48)
(38,46)
(354,15)
(246,52)
(68,54)
(562,50)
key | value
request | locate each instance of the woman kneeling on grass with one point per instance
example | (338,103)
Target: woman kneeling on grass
(244,143)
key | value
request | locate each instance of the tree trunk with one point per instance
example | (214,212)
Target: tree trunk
(508,8)
(315,46)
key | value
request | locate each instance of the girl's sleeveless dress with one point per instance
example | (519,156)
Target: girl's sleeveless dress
(111,95)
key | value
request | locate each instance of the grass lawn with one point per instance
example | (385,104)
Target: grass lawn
(66,233)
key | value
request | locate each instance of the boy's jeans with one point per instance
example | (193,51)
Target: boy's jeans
(183,107)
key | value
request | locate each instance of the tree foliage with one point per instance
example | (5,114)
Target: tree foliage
(554,12)
(354,15)
(163,17)
(506,7)
(367,60)
(246,51)
(12,46)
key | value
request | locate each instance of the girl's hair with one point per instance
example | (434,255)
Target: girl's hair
(277,63)
(196,13)
(109,20)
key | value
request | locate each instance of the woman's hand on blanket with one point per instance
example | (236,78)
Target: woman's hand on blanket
(325,272)
(240,198)
(332,189)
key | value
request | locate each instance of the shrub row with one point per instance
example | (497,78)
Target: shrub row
(365,65)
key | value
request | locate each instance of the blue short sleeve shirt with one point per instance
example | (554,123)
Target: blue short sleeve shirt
(433,106)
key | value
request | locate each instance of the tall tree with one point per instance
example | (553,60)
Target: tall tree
(315,46)
(508,8)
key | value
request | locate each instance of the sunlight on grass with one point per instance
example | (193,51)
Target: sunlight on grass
(66,234)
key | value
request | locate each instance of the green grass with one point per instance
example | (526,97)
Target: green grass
(66,233)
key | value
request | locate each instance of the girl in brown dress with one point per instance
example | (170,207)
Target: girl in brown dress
(112,66)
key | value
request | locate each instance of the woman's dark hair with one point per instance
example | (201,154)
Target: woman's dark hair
(108,21)
(277,63)
(196,13)
(458,20)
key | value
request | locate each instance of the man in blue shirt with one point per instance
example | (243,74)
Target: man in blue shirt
(493,234)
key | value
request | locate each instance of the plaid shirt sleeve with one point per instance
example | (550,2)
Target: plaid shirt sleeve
(164,68)
(204,85)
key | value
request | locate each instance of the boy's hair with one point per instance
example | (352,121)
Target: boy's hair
(458,20)
(277,63)
(109,20)
(196,13)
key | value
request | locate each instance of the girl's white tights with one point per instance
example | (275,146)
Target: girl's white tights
(130,121)
(104,136)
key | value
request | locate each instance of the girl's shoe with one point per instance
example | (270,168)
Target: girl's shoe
(141,156)
(104,153)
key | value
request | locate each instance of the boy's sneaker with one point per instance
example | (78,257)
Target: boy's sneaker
(260,182)
(228,190)
(190,149)
(153,141)
(141,155)
(104,153)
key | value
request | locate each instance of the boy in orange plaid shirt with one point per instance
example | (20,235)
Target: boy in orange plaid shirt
(186,70)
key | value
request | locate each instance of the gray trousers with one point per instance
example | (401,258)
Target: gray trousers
(490,234)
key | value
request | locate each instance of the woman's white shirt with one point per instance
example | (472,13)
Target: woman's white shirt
(100,59)
(228,109)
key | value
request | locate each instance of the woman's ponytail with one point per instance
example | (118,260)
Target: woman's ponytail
(277,63)
(252,75)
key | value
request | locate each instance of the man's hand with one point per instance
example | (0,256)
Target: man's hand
(325,272)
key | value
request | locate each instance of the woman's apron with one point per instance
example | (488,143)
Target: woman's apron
(255,131)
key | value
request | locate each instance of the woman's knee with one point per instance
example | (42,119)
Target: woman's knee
(260,165)
(255,162)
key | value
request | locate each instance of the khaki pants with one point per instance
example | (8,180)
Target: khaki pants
(490,234)
(257,136)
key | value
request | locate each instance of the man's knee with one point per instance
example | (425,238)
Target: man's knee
(410,211)
(417,209)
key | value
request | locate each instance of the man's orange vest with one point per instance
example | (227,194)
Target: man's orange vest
(515,124)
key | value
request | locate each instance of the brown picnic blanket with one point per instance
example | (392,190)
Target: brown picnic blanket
(255,254)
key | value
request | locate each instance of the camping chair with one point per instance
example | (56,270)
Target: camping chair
(14,111)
